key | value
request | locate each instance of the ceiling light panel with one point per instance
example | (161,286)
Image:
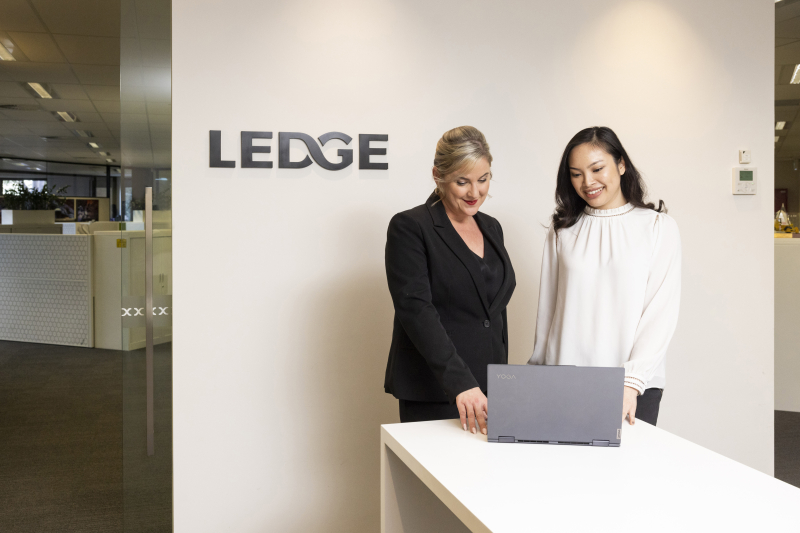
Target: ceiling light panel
(39,89)
(94,145)
(795,75)
(66,116)
(776,139)
(5,55)
(83,133)
(780,125)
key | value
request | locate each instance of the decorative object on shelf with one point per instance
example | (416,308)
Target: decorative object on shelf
(31,206)
(781,217)
(782,223)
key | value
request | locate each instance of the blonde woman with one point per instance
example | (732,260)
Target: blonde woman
(450,278)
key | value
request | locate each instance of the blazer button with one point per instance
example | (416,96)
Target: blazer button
(486,323)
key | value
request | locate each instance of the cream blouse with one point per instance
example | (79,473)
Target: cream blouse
(610,292)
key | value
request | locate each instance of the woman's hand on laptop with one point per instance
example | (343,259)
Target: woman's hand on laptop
(629,404)
(472,408)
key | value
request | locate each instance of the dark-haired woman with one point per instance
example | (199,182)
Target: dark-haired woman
(611,273)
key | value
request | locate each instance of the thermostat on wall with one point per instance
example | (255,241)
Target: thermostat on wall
(745,180)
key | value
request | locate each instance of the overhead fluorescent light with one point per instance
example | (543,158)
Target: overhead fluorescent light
(104,153)
(796,75)
(66,116)
(83,133)
(776,139)
(5,55)
(780,125)
(110,161)
(38,89)
(94,145)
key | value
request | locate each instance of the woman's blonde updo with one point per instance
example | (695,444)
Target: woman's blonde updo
(458,149)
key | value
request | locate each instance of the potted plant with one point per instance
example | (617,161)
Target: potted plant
(29,206)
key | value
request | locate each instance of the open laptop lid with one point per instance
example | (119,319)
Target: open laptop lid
(555,404)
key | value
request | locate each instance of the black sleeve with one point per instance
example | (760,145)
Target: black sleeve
(407,276)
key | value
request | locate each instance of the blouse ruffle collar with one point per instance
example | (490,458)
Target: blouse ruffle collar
(608,212)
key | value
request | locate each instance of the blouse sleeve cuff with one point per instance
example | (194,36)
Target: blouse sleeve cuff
(635,383)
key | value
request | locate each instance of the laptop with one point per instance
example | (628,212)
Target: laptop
(537,404)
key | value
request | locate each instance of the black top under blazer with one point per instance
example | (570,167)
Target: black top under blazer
(445,330)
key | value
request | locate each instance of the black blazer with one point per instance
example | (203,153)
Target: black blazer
(445,330)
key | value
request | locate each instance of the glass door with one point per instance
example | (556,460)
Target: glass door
(145,257)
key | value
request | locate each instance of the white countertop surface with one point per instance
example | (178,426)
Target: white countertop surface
(654,481)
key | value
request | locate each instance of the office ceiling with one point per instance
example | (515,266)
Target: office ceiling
(787,95)
(73,48)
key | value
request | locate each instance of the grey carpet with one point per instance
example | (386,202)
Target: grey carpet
(65,414)
(787,447)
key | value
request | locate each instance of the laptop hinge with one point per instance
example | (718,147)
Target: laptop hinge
(506,439)
(599,443)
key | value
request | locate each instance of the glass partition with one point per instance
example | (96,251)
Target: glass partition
(143,193)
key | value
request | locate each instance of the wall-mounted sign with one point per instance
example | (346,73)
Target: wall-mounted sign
(365,151)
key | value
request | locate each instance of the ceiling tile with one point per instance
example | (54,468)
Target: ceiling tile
(160,119)
(154,108)
(107,107)
(786,54)
(103,92)
(47,128)
(17,15)
(97,128)
(788,29)
(27,115)
(39,47)
(41,72)
(156,53)
(154,19)
(26,101)
(86,116)
(110,117)
(70,92)
(134,107)
(134,118)
(786,113)
(784,42)
(10,127)
(129,93)
(87,50)
(158,94)
(73,106)
(12,89)
(80,17)
(784,11)
(787,92)
(97,74)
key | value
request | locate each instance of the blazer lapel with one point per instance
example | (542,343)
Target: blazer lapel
(454,241)
(508,272)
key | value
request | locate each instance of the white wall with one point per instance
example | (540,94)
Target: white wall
(283,318)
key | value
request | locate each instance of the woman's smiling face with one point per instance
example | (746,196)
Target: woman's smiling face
(596,176)
(465,195)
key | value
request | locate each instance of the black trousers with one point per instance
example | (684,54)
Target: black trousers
(647,406)
(411,411)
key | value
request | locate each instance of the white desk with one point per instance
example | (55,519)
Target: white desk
(437,478)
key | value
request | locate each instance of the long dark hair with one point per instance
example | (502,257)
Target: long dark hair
(569,206)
